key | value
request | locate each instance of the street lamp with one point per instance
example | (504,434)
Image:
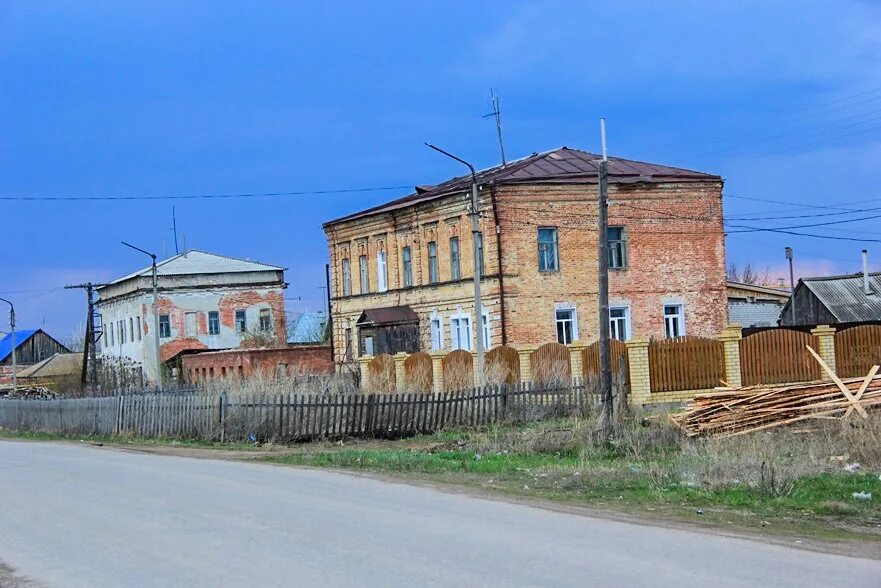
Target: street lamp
(155,314)
(788,252)
(14,342)
(475,236)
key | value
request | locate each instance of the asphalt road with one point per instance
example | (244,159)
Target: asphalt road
(75,516)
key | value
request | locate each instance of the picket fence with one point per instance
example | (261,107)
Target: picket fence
(293,417)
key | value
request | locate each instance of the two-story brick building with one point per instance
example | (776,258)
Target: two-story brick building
(206,302)
(402,272)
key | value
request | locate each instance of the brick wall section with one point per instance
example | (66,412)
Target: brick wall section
(313,359)
(676,255)
(761,313)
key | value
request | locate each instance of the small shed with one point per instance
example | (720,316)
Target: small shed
(831,300)
(392,329)
(60,370)
(750,305)
(31,346)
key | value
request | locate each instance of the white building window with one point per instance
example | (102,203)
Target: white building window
(347,278)
(368,345)
(381,276)
(619,322)
(567,325)
(486,339)
(437,335)
(674,320)
(460,332)
(265,320)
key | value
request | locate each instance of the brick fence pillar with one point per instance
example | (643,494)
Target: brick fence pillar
(437,371)
(400,382)
(730,338)
(826,336)
(525,356)
(640,379)
(363,364)
(575,364)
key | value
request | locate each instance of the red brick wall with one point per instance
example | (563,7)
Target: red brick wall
(313,359)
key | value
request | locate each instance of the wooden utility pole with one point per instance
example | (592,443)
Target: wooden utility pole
(93,333)
(603,288)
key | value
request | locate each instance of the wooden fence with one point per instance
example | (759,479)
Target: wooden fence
(777,356)
(551,363)
(590,359)
(686,363)
(292,417)
(857,349)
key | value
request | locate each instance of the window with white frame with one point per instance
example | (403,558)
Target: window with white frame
(437,336)
(347,278)
(486,340)
(567,325)
(381,275)
(619,322)
(407,262)
(674,320)
(548,255)
(265,320)
(460,332)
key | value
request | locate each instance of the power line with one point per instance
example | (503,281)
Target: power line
(206,196)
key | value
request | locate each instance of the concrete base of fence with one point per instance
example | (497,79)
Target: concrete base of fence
(826,336)
(676,396)
(640,376)
(730,338)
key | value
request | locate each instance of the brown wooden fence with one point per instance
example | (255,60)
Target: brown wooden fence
(502,365)
(550,363)
(590,359)
(381,371)
(857,349)
(292,417)
(777,356)
(686,363)
(458,370)
(418,372)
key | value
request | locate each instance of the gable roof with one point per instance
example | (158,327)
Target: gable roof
(843,296)
(20,337)
(308,327)
(60,364)
(779,293)
(558,166)
(199,262)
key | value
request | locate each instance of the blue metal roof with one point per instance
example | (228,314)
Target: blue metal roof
(20,337)
(308,328)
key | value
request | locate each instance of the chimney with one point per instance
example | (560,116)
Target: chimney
(867,290)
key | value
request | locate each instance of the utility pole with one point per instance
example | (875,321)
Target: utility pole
(329,326)
(93,333)
(788,252)
(475,237)
(14,345)
(174,228)
(497,115)
(155,314)
(603,288)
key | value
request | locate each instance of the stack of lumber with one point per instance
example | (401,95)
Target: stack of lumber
(27,392)
(736,411)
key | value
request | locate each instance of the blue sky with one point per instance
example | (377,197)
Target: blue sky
(172,98)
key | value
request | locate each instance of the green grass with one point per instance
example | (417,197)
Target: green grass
(110,440)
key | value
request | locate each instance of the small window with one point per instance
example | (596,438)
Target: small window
(365,275)
(617,248)
(437,339)
(619,322)
(131,329)
(241,321)
(455,272)
(460,332)
(486,340)
(164,326)
(191,324)
(265,320)
(121,325)
(213,322)
(112,338)
(408,267)
(381,275)
(674,320)
(567,325)
(138,321)
(347,278)
(368,345)
(548,256)
(432,262)
(349,351)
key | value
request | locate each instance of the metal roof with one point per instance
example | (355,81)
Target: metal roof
(60,364)
(559,166)
(389,315)
(200,262)
(20,337)
(780,293)
(309,328)
(843,296)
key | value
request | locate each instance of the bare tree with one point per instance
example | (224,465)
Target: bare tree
(748,275)
(76,339)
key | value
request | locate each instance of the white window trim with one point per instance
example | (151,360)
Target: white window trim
(574,319)
(381,271)
(680,315)
(627,319)
(487,331)
(440,333)
(457,317)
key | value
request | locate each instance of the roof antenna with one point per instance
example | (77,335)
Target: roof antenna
(174,228)
(497,114)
